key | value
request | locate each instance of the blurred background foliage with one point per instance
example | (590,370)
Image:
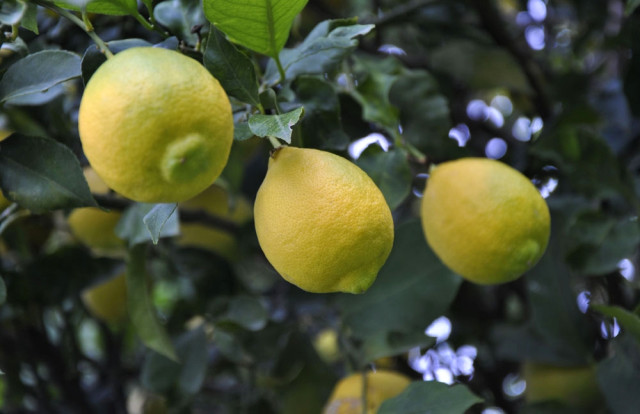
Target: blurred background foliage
(551,87)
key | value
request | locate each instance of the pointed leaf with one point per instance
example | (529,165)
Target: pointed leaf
(431,398)
(38,72)
(155,219)
(30,18)
(141,309)
(132,226)
(260,25)
(278,126)
(233,69)
(41,174)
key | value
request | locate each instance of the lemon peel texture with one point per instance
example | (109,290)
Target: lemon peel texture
(485,220)
(155,125)
(322,222)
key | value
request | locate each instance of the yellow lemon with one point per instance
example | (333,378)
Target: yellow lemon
(214,200)
(322,222)
(346,397)
(485,220)
(107,300)
(575,386)
(326,345)
(92,226)
(155,125)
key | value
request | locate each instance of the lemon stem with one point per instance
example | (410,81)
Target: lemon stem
(274,141)
(80,23)
(280,68)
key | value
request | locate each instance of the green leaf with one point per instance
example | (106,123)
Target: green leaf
(93,57)
(390,171)
(41,174)
(322,125)
(247,312)
(156,219)
(233,69)
(111,7)
(140,307)
(12,11)
(180,16)
(629,320)
(160,373)
(260,25)
(30,18)
(619,377)
(431,398)
(412,289)
(38,72)
(322,50)
(632,5)
(132,226)
(278,126)
(242,132)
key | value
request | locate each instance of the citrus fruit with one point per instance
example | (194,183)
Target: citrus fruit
(326,345)
(214,200)
(107,300)
(321,221)
(574,386)
(93,226)
(155,125)
(485,220)
(346,397)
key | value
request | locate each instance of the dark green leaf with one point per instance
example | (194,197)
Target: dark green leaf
(632,5)
(38,72)
(619,377)
(232,68)
(93,57)
(247,312)
(391,173)
(260,25)
(161,374)
(112,7)
(140,307)
(321,126)
(630,321)
(412,289)
(278,126)
(11,11)
(322,51)
(41,174)
(242,132)
(431,398)
(180,16)
(3,291)
(156,219)
(132,226)
(30,18)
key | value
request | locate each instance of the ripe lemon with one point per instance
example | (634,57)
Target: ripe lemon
(155,125)
(214,200)
(485,220)
(95,227)
(107,300)
(346,397)
(322,222)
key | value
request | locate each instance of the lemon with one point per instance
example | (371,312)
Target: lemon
(155,125)
(485,220)
(575,386)
(326,345)
(322,222)
(214,200)
(107,300)
(346,397)
(92,226)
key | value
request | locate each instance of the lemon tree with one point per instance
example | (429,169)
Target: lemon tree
(292,206)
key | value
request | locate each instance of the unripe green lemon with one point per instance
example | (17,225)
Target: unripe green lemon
(155,125)
(485,220)
(95,227)
(108,300)
(346,397)
(322,222)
